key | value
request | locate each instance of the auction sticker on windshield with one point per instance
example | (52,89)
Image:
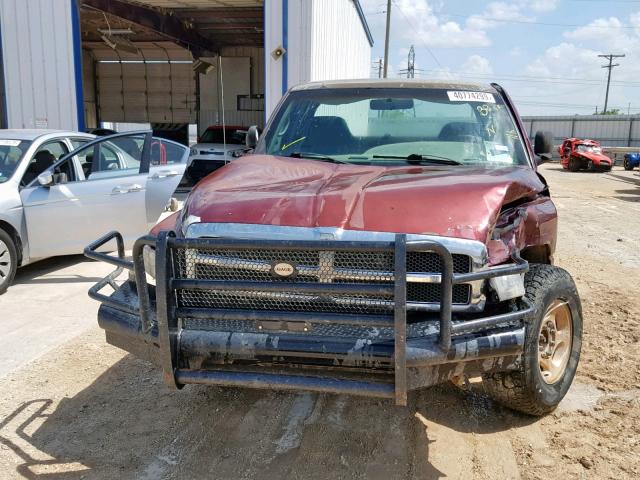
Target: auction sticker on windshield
(462,96)
(9,143)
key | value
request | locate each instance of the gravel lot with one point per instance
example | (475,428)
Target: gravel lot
(73,407)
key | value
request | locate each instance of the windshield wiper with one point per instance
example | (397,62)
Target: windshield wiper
(418,159)
(315,156)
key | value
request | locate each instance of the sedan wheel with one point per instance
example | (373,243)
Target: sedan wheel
(5,261)
(8,261)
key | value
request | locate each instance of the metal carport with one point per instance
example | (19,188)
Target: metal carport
(159,61)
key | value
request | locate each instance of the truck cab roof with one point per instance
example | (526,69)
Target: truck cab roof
(393,83)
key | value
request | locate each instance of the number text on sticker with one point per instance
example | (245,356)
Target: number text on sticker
(462,96)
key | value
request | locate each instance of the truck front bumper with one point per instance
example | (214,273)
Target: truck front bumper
(379,355)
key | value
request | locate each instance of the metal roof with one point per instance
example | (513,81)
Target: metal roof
(200,3)
(201,26)
(363,19)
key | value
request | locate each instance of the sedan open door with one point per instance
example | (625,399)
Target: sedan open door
(104,185)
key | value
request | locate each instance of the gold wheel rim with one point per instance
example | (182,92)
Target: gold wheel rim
(554,341)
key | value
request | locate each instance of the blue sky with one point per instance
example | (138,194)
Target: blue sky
(545,52)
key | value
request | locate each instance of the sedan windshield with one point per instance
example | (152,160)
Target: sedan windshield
(232,136)
(11,152)
(396,126)
(588,148)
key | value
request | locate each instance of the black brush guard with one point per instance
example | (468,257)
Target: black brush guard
(145,320)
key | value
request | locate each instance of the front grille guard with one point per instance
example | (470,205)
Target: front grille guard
(167,312)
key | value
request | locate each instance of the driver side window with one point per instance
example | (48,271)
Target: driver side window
(45,157)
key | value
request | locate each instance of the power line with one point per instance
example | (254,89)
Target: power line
(533,79)
(416,31)
(526,22)
(562,94)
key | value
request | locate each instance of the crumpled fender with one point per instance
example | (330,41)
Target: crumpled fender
(531,224)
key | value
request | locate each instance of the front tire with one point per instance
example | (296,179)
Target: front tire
(627,164)
(553,341)
(8,260)
(574,165)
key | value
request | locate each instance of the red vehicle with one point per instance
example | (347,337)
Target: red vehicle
(577,154)
(383,236)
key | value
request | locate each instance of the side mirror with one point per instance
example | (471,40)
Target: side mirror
(49,179)
(45,179)
(543,146)
(251,139)
(59,178)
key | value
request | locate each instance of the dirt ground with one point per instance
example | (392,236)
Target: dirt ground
(88,410)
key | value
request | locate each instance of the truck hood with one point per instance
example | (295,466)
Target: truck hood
(453,201)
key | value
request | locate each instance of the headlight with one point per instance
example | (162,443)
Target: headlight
(193,151)
(508,286)
(149,258)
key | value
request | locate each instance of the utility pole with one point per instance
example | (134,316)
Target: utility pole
(611,65)
(386,38)
(379,68)
(411,63)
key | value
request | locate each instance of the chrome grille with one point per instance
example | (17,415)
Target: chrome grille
(360,267)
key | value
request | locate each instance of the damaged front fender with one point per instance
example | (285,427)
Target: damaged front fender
(529,229)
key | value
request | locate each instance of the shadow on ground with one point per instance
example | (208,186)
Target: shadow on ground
(47,271)
(632,180)
(127,424)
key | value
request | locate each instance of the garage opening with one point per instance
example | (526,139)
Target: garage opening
(177,65)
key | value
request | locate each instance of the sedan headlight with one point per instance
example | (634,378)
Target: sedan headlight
(193,151)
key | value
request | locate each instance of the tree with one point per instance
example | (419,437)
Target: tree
(612,111)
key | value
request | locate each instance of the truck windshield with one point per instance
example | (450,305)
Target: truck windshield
(395,126)
(11,152)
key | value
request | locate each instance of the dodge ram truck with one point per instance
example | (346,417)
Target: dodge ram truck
(382,236)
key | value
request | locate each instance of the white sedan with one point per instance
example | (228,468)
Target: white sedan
(61,190)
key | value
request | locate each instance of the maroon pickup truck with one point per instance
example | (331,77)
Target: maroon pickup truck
(383,236)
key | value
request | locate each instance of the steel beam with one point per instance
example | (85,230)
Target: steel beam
(165,24)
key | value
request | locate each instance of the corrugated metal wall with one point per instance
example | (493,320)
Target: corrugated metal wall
(325,40)
(300,49)
(339,44)
(273,38)
(37,43)
(609,130)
